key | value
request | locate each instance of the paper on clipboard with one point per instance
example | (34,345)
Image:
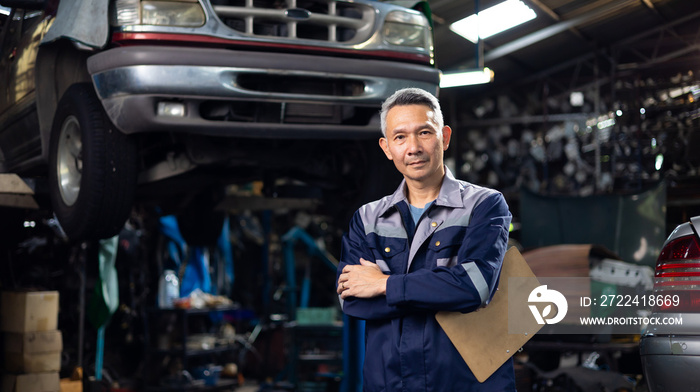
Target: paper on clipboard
(482,337)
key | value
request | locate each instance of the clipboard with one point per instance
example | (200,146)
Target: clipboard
(482,337)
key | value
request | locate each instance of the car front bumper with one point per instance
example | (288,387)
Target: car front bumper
(132,80)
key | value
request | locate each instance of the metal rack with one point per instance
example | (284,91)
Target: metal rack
(180,351)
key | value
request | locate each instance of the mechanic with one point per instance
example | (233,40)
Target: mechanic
(436,244)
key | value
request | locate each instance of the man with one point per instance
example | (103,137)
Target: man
(435,244)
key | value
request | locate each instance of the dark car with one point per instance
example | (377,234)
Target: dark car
(671,350)
(99,96)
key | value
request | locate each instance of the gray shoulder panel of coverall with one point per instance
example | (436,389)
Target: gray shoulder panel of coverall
(84,21)
(391,226)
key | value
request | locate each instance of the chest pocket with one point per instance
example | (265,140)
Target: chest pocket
(444,247)
(390,254)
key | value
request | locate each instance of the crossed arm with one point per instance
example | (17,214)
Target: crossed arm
(368,293)
(365,280)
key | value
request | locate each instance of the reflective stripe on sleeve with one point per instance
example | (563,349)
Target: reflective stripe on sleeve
(478,280)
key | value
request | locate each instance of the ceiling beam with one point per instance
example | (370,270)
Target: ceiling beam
(665,26)
(625,44)
(660,59)
(544,8)
(530,39)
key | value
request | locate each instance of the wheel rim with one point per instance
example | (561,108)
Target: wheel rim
(69,163)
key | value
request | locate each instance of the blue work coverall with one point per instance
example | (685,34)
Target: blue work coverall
(451,261)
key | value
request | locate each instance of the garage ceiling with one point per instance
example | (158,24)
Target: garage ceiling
(572,43)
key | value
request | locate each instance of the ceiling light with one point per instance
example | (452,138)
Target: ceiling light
(494,20)
(466,78)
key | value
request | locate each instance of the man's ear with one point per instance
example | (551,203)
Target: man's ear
(384,144)
(446,136)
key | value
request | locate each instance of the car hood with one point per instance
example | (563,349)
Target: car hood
(84,21)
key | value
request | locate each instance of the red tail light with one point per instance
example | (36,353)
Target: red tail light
(678,276)
(678,301)
(682,248)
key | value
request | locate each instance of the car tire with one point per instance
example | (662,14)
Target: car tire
(92,167)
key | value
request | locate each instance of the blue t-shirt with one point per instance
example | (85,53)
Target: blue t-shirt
(417,212)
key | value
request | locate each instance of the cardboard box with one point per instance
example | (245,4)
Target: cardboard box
(28,311)
(33,352)
(68,385)
(35,382)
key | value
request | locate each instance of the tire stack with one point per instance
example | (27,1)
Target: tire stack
(32,344)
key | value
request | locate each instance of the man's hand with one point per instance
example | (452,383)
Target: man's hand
(362,281)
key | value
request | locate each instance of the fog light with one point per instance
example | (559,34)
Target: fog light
(171,109)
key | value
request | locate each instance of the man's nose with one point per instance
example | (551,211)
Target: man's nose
(414,145)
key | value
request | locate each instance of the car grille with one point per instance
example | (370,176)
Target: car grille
(253,111)
(319,20)
(296,84)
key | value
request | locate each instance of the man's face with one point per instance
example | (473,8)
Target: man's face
(414,142)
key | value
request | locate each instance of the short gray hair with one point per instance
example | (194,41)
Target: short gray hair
(412,96)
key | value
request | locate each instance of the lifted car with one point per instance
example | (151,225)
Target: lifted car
(99,96)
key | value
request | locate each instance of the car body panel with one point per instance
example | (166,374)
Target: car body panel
(671,353)
(131,80)
(671,363)
(20,136)
(83,21)
(690,325)
(682,230)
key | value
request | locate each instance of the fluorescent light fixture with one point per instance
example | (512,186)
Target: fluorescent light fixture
(4,10)
(494,20)
(466,78)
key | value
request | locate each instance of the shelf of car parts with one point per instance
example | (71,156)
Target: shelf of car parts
(226,384)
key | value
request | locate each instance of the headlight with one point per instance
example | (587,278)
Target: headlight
(407,29)
(172,13)
(127,12)
(159,13)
